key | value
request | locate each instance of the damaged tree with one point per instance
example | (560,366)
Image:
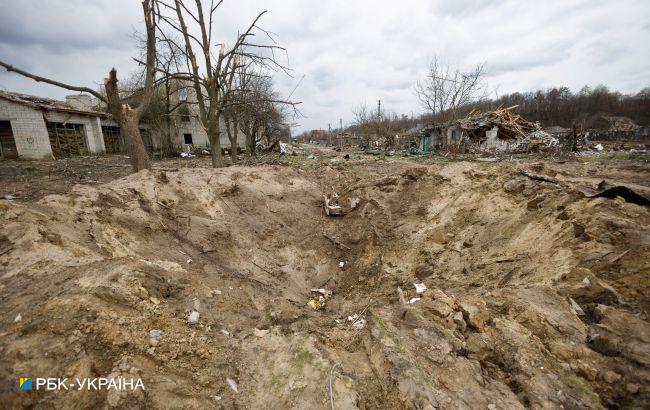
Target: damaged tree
(213,79)
(127,117)
(444,89)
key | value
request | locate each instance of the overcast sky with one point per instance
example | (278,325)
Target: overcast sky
(355,51)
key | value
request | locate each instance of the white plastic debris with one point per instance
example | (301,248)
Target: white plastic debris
(216,397)
(193,318)
(413,300)
(187,155)
(155,333)
(599,147)
(232,384)
(260,332)
(586,281)
(420,288)
(215,292)
(9,197)
(189,260)
(324,292)
(341,264)
(354,202)
(283,148)
(18,318)
(311,156)
(576,308)
(359,324)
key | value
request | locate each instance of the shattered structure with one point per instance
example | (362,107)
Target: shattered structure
(609,127)
(33,127)
(498,130)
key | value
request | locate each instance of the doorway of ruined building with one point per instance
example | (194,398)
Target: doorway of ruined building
(112,140)
(66,139)
(7,142)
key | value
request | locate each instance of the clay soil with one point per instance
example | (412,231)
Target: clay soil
(536,296)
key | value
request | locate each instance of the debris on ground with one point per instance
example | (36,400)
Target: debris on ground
(193,318)
(537,177)
(536,297)
(607,190)
(331,205)
(232,384)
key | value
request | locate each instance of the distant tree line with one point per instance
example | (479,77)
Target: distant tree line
(559,106)
(554,106)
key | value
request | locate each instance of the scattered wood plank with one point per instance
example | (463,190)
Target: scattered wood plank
(336,241)
(619,256)
(538,177)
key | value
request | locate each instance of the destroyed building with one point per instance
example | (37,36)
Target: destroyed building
(498,130)
(34,127)
(609,127)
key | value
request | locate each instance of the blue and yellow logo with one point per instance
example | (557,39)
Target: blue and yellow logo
(25,383)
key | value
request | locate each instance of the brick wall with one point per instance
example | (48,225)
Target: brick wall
(28,126)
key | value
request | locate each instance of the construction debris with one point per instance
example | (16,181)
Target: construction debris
(331,205)
(498,130)
(606,190)
(319,301)
(538,177)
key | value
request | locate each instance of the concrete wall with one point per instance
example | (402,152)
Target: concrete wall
(28,126)
(200,137)
(91,127)
(454,134)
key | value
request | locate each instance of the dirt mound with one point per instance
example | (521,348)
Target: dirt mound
(198,282)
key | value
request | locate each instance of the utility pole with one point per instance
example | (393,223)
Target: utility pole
(329,134)
(341,124)
(378,108)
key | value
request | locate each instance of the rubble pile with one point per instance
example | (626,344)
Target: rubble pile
(512,128)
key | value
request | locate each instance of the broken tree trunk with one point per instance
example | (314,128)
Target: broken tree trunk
(214,133)
(135,147)
(129,122)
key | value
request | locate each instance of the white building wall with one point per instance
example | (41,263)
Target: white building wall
(200,137)
(28,127)
(91,127)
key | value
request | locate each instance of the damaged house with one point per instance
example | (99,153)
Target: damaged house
(609,127)
(498,130)
(35,128)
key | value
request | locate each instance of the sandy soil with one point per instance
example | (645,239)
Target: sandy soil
(536,296)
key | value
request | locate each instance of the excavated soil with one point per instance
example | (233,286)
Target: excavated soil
(536,296)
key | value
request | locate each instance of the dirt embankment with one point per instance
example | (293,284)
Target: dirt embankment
(535,296)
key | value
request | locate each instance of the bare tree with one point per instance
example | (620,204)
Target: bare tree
(127,117)
(445,89)
(213,77)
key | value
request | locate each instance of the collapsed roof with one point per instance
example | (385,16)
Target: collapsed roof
(612,123)
(47,104)
(511,125)
(511,129)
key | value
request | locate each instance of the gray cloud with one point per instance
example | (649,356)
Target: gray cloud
(351,52)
